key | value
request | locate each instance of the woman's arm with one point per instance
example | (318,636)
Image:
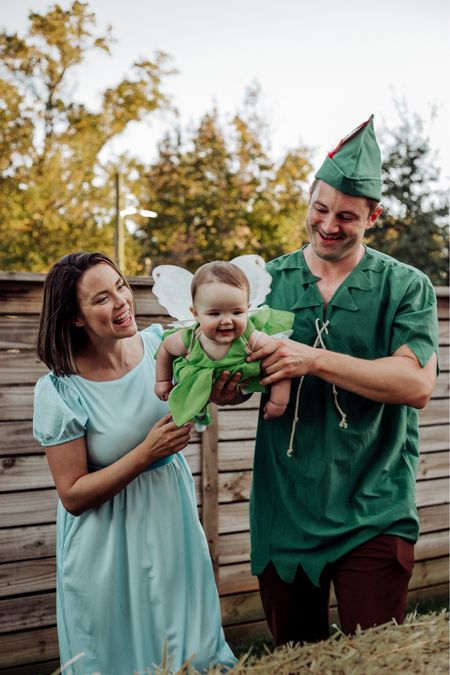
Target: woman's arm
(80,490)
(226,390)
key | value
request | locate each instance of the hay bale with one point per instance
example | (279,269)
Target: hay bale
(419,646)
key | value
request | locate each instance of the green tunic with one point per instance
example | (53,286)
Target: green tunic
(342,486)
(196,372)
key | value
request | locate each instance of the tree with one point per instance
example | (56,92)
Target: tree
(219,194)
(55,193)
(414,225)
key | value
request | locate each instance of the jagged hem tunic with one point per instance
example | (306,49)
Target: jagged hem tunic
(342,486)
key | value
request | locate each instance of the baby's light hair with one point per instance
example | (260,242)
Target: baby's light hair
(219,270)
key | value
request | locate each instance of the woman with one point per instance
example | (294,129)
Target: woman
(133,567)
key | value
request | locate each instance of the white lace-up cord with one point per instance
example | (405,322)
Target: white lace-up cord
(290,450)
(318,340)
(343,423)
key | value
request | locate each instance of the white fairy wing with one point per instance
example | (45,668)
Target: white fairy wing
(182,324)
(172,287)
(259,279)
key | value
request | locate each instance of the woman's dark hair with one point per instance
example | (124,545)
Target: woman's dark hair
(59,340)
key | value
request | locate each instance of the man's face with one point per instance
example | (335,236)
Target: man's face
(336,222)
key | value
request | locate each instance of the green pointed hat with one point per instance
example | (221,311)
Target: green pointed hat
(354,166)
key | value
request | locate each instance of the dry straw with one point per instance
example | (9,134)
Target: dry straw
(419,646)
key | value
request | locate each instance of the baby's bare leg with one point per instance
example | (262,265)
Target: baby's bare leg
(279,398)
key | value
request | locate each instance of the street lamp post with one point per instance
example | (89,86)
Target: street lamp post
(119,233)
(119,248)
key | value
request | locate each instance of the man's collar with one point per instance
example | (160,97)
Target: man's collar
(358,278)
(295,261)
(371,260)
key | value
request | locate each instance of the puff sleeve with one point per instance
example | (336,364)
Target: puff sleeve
(415,323)
(153,335)
(58,416)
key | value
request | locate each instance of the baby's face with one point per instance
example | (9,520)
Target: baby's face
(221,311)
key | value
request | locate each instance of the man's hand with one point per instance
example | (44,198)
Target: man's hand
(284,358)
(397,379)
(227,391)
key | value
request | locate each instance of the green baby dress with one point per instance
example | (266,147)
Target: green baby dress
(195,372)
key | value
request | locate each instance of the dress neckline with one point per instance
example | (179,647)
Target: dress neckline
(123,377)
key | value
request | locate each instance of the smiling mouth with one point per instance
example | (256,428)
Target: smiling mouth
(125,317)
(330,237)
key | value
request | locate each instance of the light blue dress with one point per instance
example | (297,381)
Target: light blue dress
(134,572)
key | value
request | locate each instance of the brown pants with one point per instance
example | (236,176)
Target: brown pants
(371,586)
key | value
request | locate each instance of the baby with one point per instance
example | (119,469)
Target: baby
(221,340)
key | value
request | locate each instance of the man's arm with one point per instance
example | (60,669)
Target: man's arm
(398,379)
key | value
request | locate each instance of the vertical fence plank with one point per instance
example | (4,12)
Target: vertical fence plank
(210,487)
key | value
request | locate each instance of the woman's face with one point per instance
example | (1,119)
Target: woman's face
(105,304)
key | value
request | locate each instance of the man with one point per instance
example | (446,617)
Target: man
(333,495)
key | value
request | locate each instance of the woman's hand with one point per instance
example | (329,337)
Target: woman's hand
(80,490)
(165,438)
(227,391)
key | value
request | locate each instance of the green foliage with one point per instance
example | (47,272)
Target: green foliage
(414,225)
(219,194)
(55,194)
(217,191)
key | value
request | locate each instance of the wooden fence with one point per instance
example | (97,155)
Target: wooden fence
(221,461)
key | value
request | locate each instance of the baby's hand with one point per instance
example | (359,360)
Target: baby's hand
(163,389)
(272,409)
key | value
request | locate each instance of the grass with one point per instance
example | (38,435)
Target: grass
(256,648)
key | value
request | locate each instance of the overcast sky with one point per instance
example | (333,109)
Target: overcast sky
(323,65)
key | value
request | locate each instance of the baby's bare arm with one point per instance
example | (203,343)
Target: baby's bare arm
(258,339)
(174,344)
(170,348)
(280,391)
